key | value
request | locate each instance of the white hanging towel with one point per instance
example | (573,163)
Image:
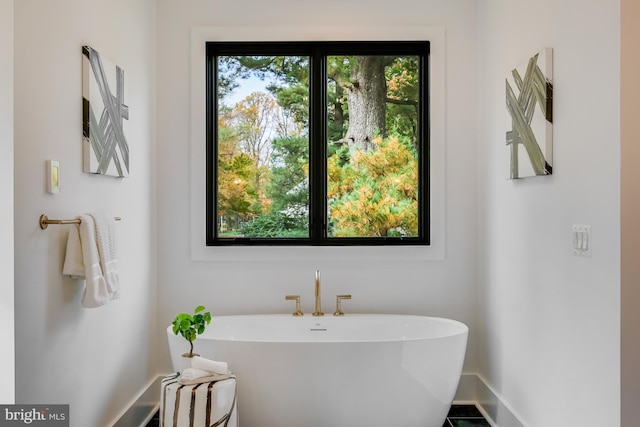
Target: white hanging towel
(107,249)
(73,264)
(84,260)
(95,291)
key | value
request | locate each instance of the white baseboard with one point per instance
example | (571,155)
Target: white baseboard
(473,389)
(467,387)
(143,408)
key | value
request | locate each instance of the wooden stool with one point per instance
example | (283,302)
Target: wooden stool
(210,404)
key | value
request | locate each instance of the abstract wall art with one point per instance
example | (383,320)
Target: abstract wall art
(105,115)
(529,96)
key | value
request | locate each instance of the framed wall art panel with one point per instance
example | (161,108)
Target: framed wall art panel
(529,97)
(105,115)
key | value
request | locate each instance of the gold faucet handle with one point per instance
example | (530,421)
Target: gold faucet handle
(339,299)
(295,298)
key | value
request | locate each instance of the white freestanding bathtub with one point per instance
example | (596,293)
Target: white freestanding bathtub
(357,370)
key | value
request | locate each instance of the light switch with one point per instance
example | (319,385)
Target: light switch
(582,240)
(53,178)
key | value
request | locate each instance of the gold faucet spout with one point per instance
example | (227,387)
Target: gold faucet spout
(318,311)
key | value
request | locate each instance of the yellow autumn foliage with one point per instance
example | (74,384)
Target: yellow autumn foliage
(375,193)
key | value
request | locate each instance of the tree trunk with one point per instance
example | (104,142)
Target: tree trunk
(366,97)
(338,110)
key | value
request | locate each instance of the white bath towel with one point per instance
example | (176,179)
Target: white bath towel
(96,293)
(193,373)
(83,259)
(212,366)
(73,264)
(195,376)
(106,242)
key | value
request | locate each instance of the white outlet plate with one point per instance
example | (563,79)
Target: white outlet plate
(581,240)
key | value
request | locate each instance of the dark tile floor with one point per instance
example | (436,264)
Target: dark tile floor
(459,416)
(465,416)
(155,421)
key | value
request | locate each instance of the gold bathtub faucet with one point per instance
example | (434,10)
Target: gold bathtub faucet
(295,298)
(339,299)
(318,311)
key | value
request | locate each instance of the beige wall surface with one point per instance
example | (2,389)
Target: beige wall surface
(630,212)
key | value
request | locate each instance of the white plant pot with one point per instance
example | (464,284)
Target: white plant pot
(186,360)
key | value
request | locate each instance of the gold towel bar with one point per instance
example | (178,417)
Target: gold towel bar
(45,221)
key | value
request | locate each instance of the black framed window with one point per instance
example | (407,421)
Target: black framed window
(317,143)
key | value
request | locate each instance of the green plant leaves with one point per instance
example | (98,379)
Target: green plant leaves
(190,326)
(185,324)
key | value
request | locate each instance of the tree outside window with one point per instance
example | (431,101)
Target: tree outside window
(317,143)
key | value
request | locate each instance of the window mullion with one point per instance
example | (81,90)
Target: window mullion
(318,152)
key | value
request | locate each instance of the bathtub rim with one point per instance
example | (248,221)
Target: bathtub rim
(458,328)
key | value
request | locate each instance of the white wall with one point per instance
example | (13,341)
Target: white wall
(630,212)
(547,342)
(550,342)
(251,285)
(7,358)
(96,360)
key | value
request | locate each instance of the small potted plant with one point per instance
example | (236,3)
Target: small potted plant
(190,326)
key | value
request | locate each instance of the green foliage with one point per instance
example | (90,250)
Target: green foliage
(235,169)
(369,193)
(191,325)
(374,194)
(287,184)
(402,97)
(236,191)
(275,224)
(295,100)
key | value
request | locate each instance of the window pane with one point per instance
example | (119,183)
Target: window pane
(262,146)
(372,152)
